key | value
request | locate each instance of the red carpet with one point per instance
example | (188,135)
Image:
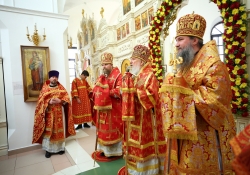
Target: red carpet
(122,171)
(100,158)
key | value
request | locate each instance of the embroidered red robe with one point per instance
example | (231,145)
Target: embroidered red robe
(111,126)
(241,148)
(212,119)
(48,120)
(145,134)
(81,112)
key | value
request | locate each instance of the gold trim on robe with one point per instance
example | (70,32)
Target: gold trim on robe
(208,79)
(146,139)
(48,118)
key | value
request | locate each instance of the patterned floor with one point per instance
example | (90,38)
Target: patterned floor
(76,160)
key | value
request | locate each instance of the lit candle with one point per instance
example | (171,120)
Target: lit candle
(43,31)
(27,30)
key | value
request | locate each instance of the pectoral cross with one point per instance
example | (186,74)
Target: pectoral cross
(175,61)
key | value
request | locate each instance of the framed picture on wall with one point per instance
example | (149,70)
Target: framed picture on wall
(144,19)
(138,23)
(137,2)
(127,28)
(118,34)
(35,68)
(126,6)
(123,31)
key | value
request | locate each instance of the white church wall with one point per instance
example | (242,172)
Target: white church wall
(143,39)
(13,23)
(124,49)
(7,2)
(38,5)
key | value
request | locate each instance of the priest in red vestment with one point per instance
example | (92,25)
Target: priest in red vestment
(108,119)
(144,142)
(241,148)
(81,107)
(197,119)
(53,120)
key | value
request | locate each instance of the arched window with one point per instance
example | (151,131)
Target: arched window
(216,34)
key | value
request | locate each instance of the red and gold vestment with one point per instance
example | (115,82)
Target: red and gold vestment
(81,112)
(48,122)
(204,131)
(241,147)
(110,126)
(145,135)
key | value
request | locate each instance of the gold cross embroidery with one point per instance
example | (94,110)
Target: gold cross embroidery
(104,100)
(112,78)
(98,93)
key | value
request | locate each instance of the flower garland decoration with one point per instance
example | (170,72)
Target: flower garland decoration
(163,12)
(234,17)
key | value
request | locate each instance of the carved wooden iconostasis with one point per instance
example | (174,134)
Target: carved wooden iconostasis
(132,29)
(90,78)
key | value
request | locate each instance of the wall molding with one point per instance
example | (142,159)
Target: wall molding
(32,12)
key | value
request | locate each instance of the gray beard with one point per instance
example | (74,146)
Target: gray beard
(187,55)
(135,70)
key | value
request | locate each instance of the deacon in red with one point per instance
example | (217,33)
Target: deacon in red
(81,107)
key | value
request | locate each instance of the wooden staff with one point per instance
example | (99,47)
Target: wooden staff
(126,153)
(97,130)
(169,155)
(153,117)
